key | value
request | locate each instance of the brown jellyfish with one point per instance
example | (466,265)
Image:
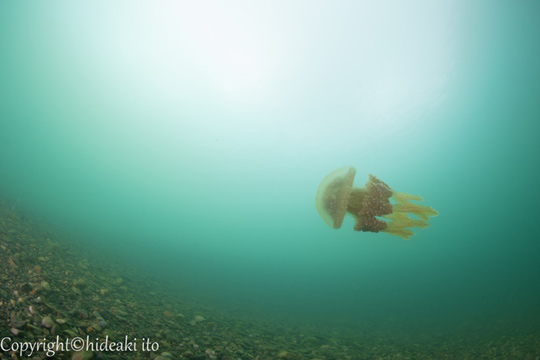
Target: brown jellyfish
(337,197)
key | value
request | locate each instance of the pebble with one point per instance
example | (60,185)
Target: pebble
(110,333)
(199,357)
(173,336)
(26,288)
(102,323)
(47,322)
(45,286)
(76,291)
(83,355)
(286,355)
(16,322)
(71,333)
(80,283)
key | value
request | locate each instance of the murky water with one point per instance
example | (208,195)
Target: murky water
(189,141)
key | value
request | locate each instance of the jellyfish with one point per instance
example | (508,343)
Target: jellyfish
(371,206)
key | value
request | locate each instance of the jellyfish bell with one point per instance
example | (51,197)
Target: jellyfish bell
(370,206)
(333,195)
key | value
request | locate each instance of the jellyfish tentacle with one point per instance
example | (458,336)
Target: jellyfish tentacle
(404,233)
(401,220)
(401,197)
(423,212)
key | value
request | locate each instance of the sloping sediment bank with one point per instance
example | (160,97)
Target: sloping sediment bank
(52,292)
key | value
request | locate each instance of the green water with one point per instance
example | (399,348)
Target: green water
(189,141)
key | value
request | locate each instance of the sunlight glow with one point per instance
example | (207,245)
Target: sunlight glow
(206,43)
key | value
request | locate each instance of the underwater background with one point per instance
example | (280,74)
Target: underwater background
(187,140)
